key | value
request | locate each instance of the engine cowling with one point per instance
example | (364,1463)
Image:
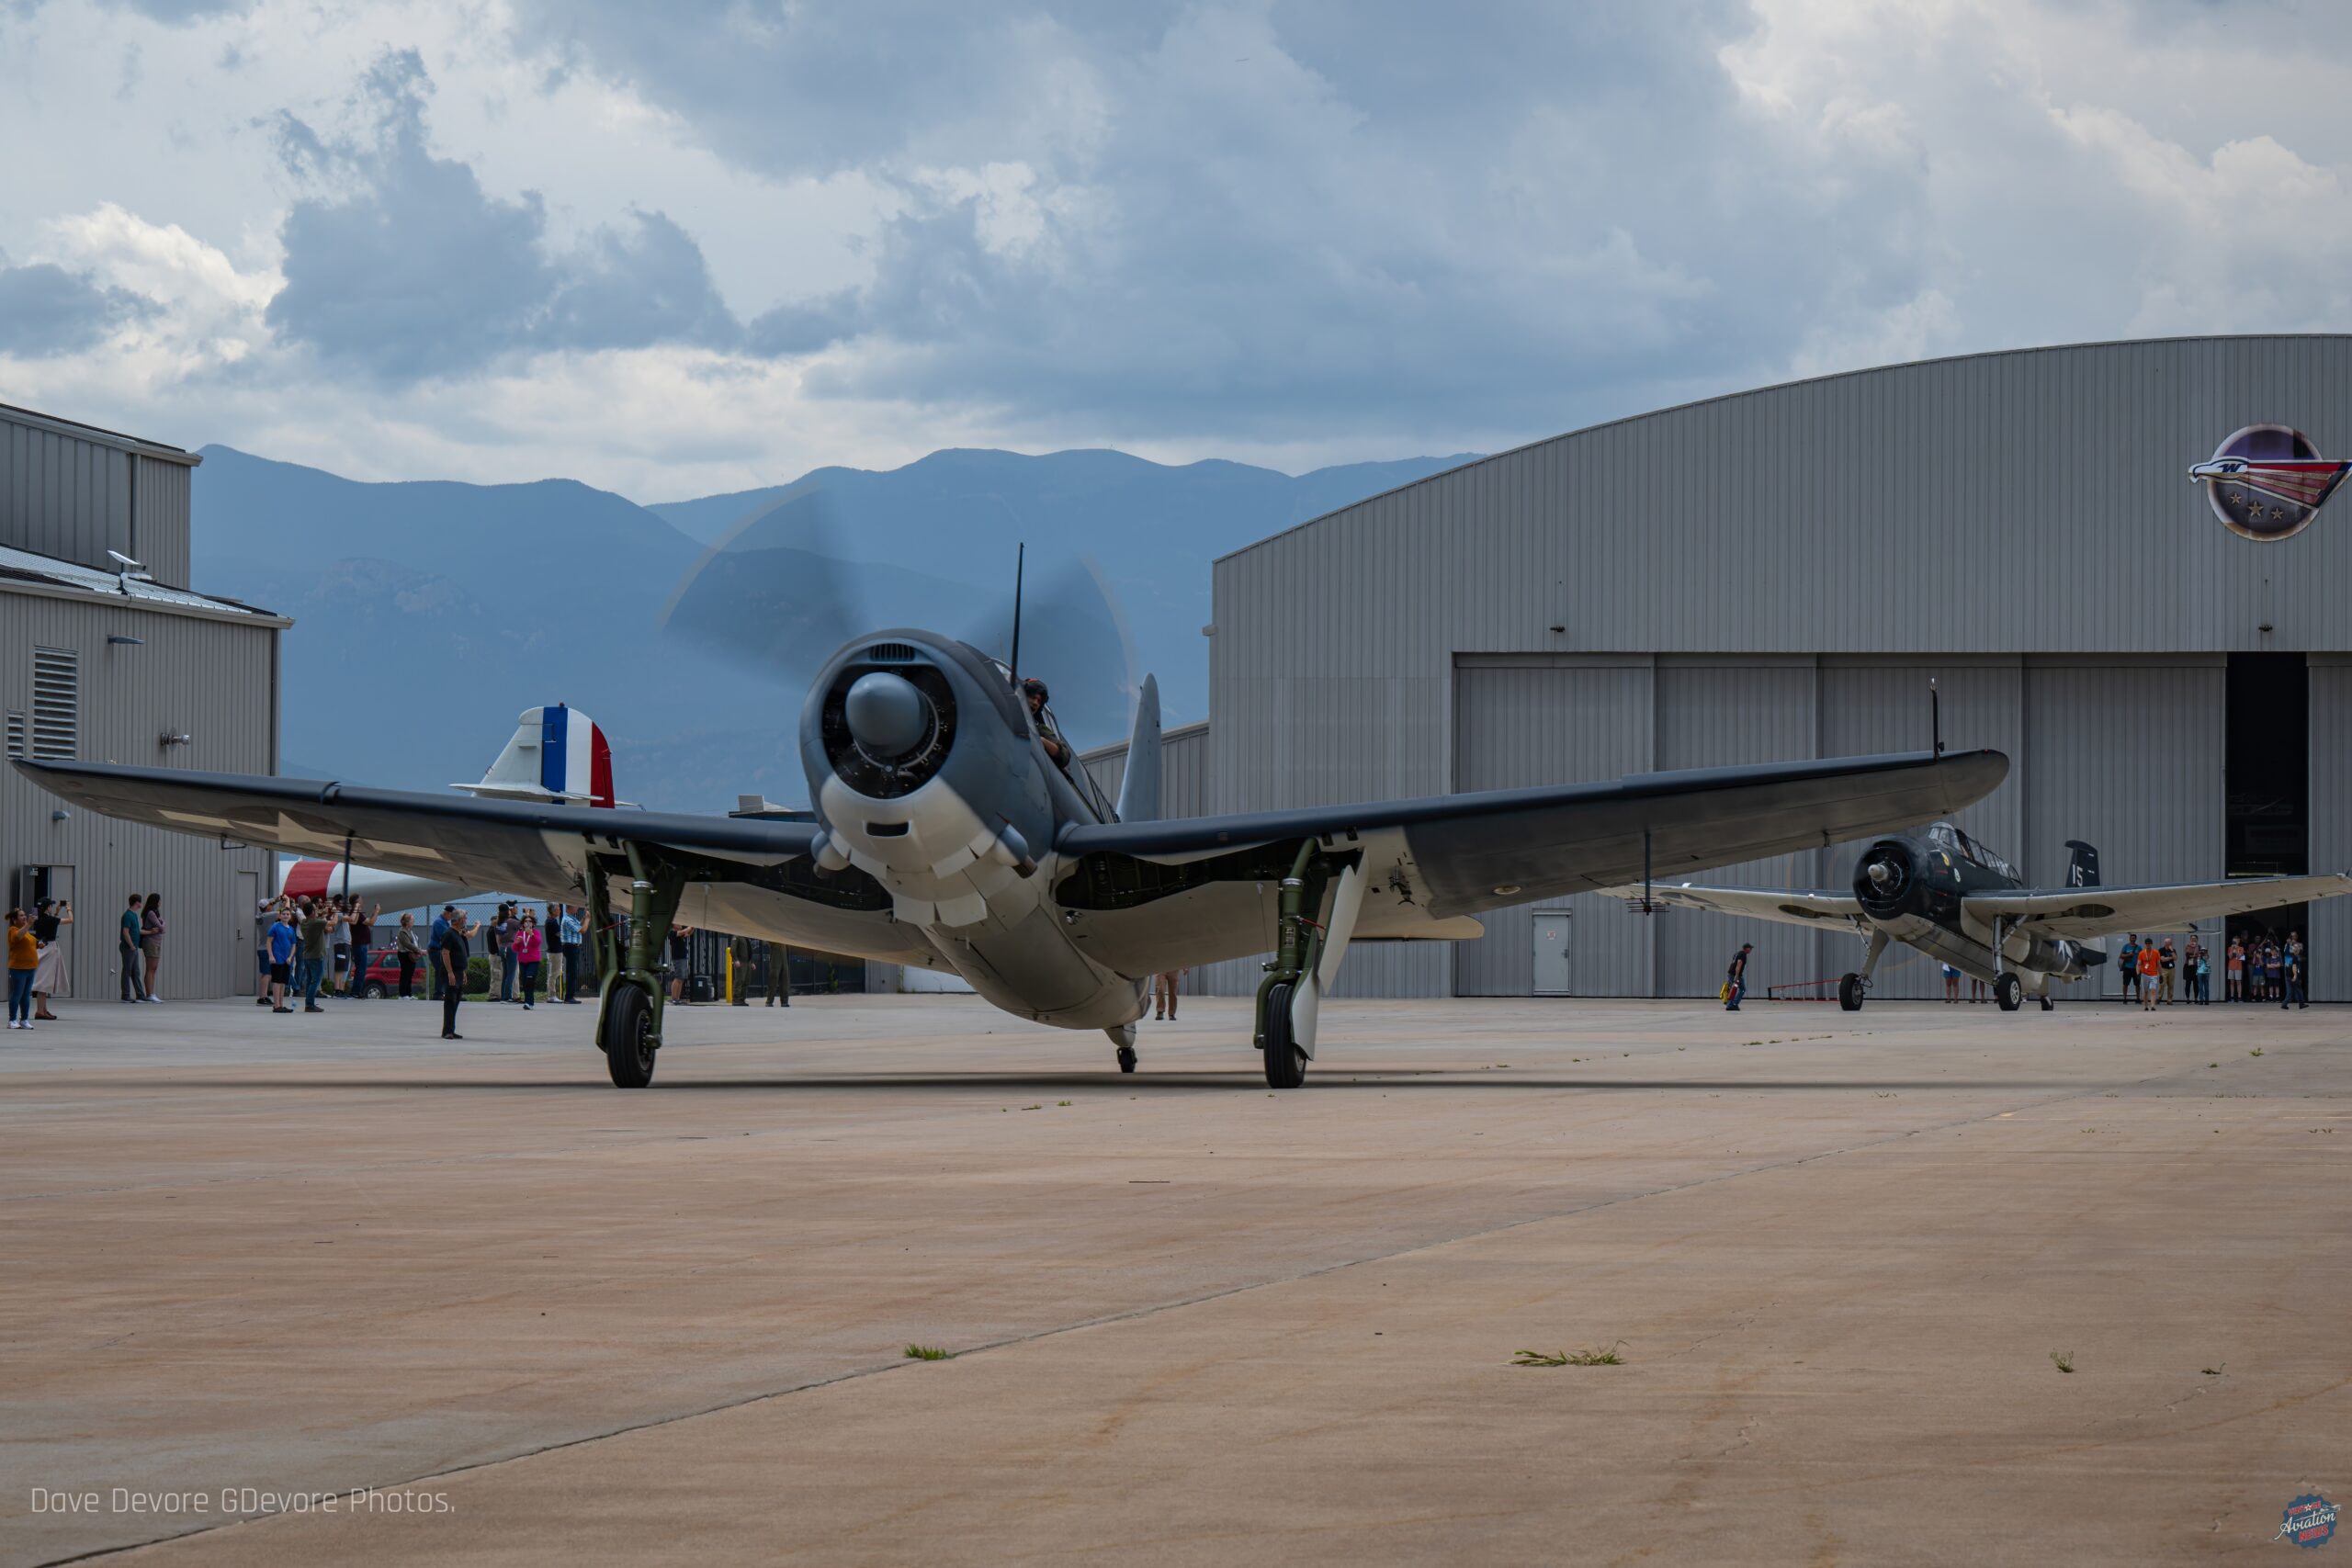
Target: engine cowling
(1886,879)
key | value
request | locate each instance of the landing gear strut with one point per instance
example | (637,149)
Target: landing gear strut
(1298,947)
(628,1013)
(1856,984)
(1124,1037)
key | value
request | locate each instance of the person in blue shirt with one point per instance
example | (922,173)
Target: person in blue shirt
(433,951)
(281,961)
(127,942)
(567,929)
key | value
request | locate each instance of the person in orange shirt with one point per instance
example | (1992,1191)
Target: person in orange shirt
(24,960)
(2151,961)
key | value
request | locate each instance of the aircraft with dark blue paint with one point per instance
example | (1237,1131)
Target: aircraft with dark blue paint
(947,834)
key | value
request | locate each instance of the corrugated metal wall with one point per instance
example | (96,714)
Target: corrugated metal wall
(2008,521)
(1716,713)
(1543,718)
(62,497)
(159,524)
(75,497)
(2024,502)
(2126,754)
(1882,705)
(2330,937)
(207,678)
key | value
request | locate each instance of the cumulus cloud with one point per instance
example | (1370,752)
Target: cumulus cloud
(1290,229)
(45,309)
(403,264)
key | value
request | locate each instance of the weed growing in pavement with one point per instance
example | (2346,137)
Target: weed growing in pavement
(1604,1357)
(929,1353)
(2255,1052)
(2212,1372)
(2062,1359)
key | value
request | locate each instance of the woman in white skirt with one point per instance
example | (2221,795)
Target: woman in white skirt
(50,979)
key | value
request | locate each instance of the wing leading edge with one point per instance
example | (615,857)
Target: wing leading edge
(2081,913)
(1465,854)
(1789,906)
(506,845)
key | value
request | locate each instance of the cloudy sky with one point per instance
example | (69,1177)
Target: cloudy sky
(710,243)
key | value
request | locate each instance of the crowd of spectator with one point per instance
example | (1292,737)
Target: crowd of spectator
(2256,968)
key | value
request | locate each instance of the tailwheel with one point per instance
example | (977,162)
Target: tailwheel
(1849,993)
(1126,1058)
(2008,992)
(2049,1006)
(625,1033)
(1286,1064)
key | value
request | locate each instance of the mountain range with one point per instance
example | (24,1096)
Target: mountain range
(427,614)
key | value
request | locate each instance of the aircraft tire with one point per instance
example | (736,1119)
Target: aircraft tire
(1849,993)
(2008,993)
(1285,1064)
(2048,1005)
(626,1036)
(1126,1058)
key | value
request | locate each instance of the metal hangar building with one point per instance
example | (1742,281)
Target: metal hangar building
(98,663)
(1778,574)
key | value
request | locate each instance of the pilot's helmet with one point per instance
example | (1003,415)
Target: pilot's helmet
(1034,687)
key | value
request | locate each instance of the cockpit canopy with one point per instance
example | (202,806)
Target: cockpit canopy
(1943,836)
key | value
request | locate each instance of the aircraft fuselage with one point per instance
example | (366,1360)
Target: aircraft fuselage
(1913,887)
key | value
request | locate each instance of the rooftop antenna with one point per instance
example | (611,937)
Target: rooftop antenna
(1019,561)
(1935,716)
(127,571)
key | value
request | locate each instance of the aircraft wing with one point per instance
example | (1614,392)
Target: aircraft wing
(506,845)
(1156,895)
(2078,913)
(1789,906)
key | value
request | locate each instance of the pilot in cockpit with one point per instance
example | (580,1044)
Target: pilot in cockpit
(1034,690)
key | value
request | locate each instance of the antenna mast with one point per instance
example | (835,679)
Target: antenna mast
(1935,716)
(1019,561)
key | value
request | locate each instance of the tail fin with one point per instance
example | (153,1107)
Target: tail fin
(1139,787)
(558,754)
(2082,871)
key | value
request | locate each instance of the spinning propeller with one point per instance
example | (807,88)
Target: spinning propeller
(794,581)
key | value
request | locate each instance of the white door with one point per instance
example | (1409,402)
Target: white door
(1551,968)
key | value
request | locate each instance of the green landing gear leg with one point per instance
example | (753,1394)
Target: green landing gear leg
(628,1012)
(1298,947)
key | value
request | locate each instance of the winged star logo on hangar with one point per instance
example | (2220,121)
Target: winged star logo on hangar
(2267,481)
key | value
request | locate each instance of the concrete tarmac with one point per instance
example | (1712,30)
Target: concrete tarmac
(255,1260)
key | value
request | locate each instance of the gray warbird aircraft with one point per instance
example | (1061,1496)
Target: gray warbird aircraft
(1943,893)
(946,836)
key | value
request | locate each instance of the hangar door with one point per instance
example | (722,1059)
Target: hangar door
(1521,720)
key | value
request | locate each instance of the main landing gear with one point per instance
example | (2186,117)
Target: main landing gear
(628,1016)
(1299,945)
(1285,1063)
(2008,991)
(1856,984)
